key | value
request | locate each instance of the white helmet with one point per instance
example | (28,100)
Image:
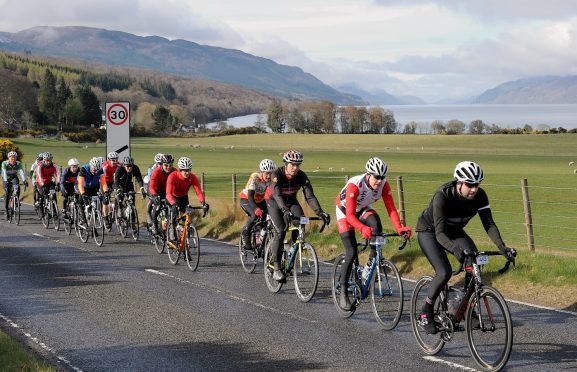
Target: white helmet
(113,155)
(13,153)
(95,163)
(73,161)
(469,172)
(267,165)
(293,156)
(376,167)
(184,163)
(158,158)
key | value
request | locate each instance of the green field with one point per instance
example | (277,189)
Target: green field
(423,162)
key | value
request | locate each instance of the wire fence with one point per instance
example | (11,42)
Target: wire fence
(535,218)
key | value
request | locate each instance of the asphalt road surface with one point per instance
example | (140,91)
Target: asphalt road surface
(124,307)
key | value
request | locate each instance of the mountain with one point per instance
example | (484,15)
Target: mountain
(380,97)
(541,89)
(173,56)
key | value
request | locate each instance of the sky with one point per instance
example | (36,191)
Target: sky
(437,50)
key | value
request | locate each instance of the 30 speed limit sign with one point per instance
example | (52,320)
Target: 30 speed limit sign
(118,128)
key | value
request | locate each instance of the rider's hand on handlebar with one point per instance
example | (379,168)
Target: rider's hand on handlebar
(287,216)
(510,253)
(326,217)
(258,212)
(405,232)
(461,254)
(205,208)
(367,232)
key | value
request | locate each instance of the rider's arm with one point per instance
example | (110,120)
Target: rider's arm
(387,196)
(117,177)
(487,219)
(153,184)
(275,190)
(103,183)
(309,194)
(4,174)
(40,175)
(137,175)
(170,188)
(63,178)
(352,194)
(80,181)
(250,199)
(197,188)
(56,174)
(439,204)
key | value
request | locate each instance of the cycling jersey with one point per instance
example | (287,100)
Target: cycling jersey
(88,182)
(12,171)
(33,170)
(284,190)
(123,178)
(47,175)
(448,213)
(356,197)
(157,184)
(256,184)
(68,179)
(177,187)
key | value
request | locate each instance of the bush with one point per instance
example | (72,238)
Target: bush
(6,146)
(90,135)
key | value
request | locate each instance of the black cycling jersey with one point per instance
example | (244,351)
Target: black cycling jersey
(284,191)
(123,179)
(448,213)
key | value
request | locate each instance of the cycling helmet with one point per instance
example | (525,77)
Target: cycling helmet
(293,156)
(267,165)
(128,161)
(376,167)
(73,161)
(112,155)
(184,163)
(13,153)
(158,158)
(95,163)
(469,172)
(40,156)
(47,156)
(167,159)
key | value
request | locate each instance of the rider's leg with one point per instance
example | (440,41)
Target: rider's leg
(350,243)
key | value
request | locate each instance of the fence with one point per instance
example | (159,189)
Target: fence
(540,219)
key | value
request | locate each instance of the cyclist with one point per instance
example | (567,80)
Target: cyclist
(67,182)
(36,163)
(157,164)
(47,177)
(177,186)
(11,171)
(441,228)
(157,190)
(109,168)
(252,197)
(354,211)
(282,204)
(90,179)
(123,180)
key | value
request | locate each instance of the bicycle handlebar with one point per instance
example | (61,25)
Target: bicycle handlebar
(488,253)
(368,242)
(189,208)
(295,218)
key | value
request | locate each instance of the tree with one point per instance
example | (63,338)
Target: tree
(527,129)
(438,127)
(295,120)
(48,97)
(162,119)
(73,113)
(90,105)
(17,96)
(477,127)
(455,127)
(276,119)
(63,93)
(410,128)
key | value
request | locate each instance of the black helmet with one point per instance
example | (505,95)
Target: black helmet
(167,159)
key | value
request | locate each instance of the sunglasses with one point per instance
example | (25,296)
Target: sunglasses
(471,185)
(380,178)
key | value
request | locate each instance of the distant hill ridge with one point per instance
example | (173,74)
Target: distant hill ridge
(176,56)
(536,90)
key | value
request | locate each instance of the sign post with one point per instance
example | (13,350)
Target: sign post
(118,128)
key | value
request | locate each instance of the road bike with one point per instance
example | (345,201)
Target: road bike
(298,259)
(14,205)
(49,210)
(70,215)
(159,240)
(95,221)
(383,284)
(126,215)
(187,243)
(482,308)
(259,236)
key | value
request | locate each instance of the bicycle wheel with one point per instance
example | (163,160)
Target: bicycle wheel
(16,211)
(97,227)
(46,216)
(387,295)
(491,340)
(67,220)
(306,272)
(430,344)
(336,287)
(121,223)
(133,218)
(159,240)
(55,215)
(271,284)
(173,250)
(83,232)
(192,248)
(248,258)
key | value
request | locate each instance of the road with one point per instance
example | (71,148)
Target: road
(124,307)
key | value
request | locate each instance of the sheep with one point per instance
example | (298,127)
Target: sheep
(571,163)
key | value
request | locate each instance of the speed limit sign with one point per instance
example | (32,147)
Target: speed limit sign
(118,128)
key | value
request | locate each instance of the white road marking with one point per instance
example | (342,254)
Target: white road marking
(232,296)
(450,364)
(39,343)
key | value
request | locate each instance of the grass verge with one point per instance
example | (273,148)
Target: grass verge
(15,357)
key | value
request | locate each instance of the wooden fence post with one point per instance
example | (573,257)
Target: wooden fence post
(401,195)
(234,192)
(528,216)
(202,184)
(346,178)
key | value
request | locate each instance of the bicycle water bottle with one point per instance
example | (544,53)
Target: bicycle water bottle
(163,223)
(455,296)
(257,237)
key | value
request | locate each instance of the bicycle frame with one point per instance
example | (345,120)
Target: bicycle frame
(297,245)
(186,217)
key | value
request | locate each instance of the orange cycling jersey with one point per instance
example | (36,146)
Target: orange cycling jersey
(256,184)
